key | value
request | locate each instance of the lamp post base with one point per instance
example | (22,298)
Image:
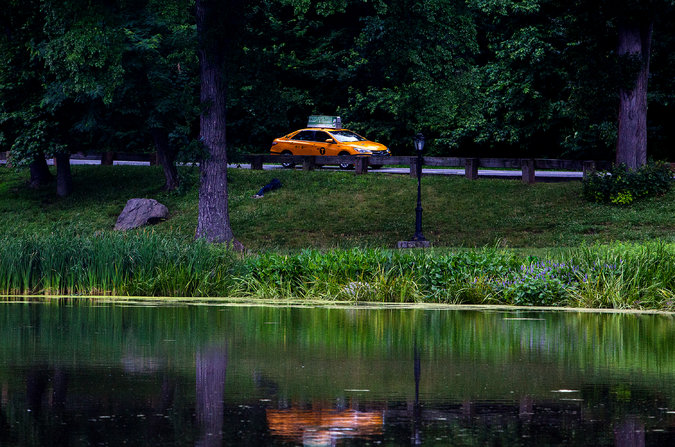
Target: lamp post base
(413,244)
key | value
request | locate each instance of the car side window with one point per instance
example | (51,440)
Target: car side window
(305,135)
(321,136)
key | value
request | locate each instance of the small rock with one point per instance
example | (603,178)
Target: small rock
(139,212)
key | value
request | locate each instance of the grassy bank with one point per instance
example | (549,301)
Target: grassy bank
(341,210)
(547,246)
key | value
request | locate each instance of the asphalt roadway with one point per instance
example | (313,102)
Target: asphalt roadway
(485,173)
(541,176)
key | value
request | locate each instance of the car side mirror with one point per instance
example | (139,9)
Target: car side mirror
(330,140)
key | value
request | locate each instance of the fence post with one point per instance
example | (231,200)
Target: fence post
(107,158)
(257,162)
(527,166)
(471,168)
(413,167)
(589,168)
(308,163)
(361,165)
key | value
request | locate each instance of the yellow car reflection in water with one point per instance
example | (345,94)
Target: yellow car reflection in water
(324,426)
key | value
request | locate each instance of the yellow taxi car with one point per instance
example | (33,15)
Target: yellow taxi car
(326,137)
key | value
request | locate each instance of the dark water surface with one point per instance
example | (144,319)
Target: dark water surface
(77,373)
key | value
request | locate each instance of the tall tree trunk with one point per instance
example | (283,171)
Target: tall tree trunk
(213,222)
(631,147)
(39,171)
(166,157)
(64,179)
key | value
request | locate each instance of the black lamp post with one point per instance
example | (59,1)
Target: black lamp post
(419,145)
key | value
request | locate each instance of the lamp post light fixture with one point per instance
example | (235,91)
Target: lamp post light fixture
(418,240)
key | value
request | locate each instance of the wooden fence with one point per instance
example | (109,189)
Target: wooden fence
(361,163)
(107,158)
(470,165)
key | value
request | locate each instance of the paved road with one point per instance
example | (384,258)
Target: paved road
(541,175)
(486,173)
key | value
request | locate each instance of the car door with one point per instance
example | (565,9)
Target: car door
(321,144)
(304,143)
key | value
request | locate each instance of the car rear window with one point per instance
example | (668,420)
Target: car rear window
(305,135)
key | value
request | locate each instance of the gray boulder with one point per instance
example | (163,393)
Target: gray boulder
(139,212)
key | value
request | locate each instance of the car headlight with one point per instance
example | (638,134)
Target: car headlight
(362,151)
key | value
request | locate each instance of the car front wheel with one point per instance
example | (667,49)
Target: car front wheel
(345,165)
(287,165)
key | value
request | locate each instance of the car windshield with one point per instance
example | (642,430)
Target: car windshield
(345,136)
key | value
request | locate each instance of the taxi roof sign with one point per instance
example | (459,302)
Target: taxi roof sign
(331,122)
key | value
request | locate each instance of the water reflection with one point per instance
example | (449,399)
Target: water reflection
(324,426)
(81,375)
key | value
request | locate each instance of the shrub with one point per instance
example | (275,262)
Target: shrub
(621,186)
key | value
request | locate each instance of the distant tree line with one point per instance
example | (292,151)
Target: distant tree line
(544,78)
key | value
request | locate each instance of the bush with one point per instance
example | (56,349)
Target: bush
(536,283)
(621,186)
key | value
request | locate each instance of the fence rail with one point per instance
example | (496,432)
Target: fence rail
(470,165)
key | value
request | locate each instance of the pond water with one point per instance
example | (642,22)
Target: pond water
(85,373)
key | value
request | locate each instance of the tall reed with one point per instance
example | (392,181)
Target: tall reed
(626,275)
(143,264)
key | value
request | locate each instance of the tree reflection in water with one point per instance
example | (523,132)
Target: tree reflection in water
(630,433)
(211,365)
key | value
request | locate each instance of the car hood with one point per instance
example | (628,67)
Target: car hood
(369,145)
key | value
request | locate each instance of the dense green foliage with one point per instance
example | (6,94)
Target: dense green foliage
(484,78)
(95,76)
(621,186)
(478,77)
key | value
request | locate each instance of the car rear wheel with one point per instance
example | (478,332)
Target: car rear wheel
(345,165)
(288,165)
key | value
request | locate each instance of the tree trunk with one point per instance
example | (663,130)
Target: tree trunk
(107,158)
(166,157)
(631,146)
(39,172)
(213,223)
(64,179)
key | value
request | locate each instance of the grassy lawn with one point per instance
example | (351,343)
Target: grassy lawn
(339,209)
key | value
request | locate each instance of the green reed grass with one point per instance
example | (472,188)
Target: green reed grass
(617,276)
(138,264)
(627,275)
(620,276)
